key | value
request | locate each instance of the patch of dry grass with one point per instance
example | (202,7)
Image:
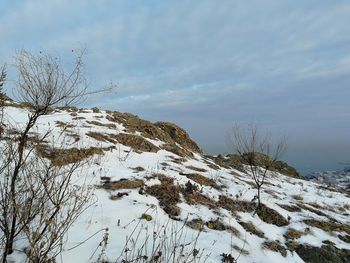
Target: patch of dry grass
(249,227)
(297,197)
(64,125)
(167,193)
(197,169)
(201,179)
(266,214)
(293,234)
(328,226)
(275,246)
(60,157)
(107,125)
(122,184)
(290,208)
(192,196)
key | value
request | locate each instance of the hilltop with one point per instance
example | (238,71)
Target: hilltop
(152,178)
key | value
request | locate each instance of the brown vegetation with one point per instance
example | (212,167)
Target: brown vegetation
(249,227)
(122,184)
(275,246)
(60,157)
(328,226)
(167,193)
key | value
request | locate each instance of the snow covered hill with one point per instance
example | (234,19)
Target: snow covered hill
(152,185)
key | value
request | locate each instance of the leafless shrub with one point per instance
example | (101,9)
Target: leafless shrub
(257,151)
(39,200)
(168,243)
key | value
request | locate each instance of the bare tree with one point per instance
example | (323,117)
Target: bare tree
(257,151)
(3,75)
(36,196)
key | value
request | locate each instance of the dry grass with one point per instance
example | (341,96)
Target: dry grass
(315,211)
(167,193)
(97,123)
(240,250)
(219,226)
(193,197)
(122,184)
(178,160)
(197,224)
(266,214)
(297,197)
(138,169)
(249,227)
(275,246)
(290,208)
(101,137)
(79,118)
(345,238)
(64,125)
(197,169)
(292,245)
(292,234)
(201,179)
(236,205)
(136,142)
(60,157)
(328,226)
(118,196)
(271,216)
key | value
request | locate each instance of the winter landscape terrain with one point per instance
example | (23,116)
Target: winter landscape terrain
(340,178)
(154,189)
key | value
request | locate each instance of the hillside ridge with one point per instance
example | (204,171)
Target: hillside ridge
(154,176)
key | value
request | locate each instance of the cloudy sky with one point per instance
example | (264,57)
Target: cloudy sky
(208,64)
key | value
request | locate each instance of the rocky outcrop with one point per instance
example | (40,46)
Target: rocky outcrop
(175,138)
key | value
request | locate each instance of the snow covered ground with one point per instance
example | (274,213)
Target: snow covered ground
(242,233)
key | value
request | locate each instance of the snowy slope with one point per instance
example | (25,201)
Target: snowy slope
(220,205)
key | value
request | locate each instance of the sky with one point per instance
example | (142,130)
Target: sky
(206,65)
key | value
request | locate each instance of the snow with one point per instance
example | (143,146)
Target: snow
(122,216)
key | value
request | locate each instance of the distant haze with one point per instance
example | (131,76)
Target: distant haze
(208,64)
